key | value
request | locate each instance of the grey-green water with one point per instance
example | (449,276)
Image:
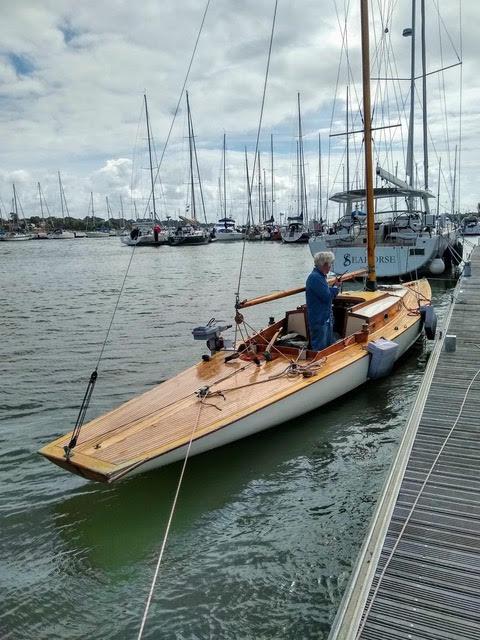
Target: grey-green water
(266,530)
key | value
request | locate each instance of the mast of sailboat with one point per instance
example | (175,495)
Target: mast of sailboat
(298,180)
(319,189)
(271,168)
(347,160)
(371,283)
(190,148)
(411,123)
(40,198)
(61,196)
(303,183)
(265,207)
(259,191)
(424,109)
(194,146)
(121,207)
(438,186)
(300,154)
(249,193)
(424,97)
(149,136)
(15,204)
(454,188)
(92,209)
(224,179)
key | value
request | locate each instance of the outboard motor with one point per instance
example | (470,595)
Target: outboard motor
(429,321)
(212,333)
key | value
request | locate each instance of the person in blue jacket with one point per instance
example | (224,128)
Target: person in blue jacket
(319,301)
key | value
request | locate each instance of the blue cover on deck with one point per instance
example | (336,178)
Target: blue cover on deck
(383,354)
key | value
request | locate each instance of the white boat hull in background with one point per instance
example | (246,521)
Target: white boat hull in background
(228,236)
(61,235)
(20,237)
(391,261)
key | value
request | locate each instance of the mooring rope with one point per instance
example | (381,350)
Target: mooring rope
(412,508)
(169,524)
(94,375)
(259,129)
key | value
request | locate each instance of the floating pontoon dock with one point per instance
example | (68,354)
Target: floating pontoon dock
(418,573)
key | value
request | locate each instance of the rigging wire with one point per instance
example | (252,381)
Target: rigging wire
(201,395)
(180,98)
(94,375)
(169,524)
(256,147)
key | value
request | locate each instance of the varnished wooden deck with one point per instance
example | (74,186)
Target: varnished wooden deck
(163,418)
(418,574)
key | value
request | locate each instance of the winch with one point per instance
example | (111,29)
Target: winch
(212,333)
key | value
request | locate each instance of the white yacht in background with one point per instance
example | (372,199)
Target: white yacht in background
(15,236)
(145,233)
(471,226)
(296,230)
(226,231)
(61,234)
(409,239)
(189,231)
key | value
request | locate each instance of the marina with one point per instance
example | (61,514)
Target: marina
(275,435)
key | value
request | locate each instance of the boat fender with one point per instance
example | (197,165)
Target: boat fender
(383,354)
(429,321)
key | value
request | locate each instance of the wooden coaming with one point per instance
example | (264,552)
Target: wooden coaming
(163,418)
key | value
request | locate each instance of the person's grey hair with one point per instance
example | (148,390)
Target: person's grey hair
(323,257)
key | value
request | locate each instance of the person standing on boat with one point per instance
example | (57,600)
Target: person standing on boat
(319,301)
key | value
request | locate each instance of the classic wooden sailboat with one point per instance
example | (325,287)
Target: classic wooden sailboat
(272,376)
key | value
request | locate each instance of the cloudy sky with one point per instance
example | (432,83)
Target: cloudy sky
(72,78)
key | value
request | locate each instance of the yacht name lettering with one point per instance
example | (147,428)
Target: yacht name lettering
(348,260)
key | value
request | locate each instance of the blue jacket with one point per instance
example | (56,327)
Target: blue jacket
(319,308)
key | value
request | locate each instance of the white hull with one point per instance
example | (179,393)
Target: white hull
(472,231)
(144,241)
(19,238)
(228,236)
(391,260)
(295,237)
(64,235)
(97,234)
(297,404)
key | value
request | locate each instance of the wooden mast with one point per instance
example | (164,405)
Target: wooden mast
(367,117)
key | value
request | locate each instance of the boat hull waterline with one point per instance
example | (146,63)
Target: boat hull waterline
(154,429)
